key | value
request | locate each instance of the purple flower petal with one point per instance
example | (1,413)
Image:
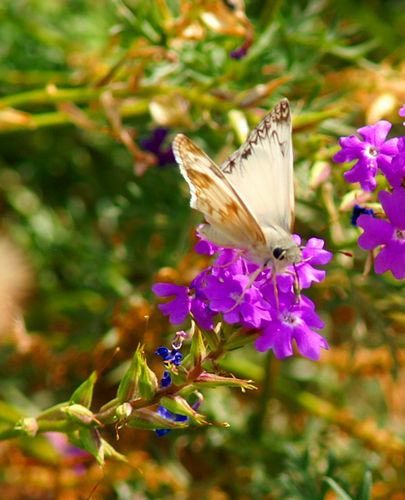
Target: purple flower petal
(375,134)
(376,232)
(389,148)
(398,263)
(394,206)
(351,148)
(202,313)
(363,172)
(168,289)
(294,323)
(395,172)
(275,337)
(383,261)
(179,307)
(309,343)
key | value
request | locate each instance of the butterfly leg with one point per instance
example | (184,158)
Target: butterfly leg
(252,278)
(274,279)
(297,286)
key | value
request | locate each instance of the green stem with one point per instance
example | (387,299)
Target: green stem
(59,118)
(258,421)
(50,95)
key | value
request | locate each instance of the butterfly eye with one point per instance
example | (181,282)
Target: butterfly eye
(279,253)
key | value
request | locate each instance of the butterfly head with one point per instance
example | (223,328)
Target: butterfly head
(285,253)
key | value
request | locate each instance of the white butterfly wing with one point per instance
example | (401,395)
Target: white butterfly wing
(231,220)
(261,170)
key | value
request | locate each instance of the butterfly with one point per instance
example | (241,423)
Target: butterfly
(247,201)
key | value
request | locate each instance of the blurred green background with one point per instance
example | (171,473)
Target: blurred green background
(94,220)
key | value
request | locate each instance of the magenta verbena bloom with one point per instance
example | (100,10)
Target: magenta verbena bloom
(295,322)
(388,235)
(237,291)
(371,150)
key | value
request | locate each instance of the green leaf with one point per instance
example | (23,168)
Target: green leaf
(198,350)
(83,395)
(80,414)
(340,492)
(8,413)
(239,339)
(91,441)
(212,339)
(364,492)
(56,412)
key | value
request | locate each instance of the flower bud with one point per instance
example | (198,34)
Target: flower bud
(197,349)
(123,411)
(139,380)
(178,405)
(28,426)
(83,395)
(80,414)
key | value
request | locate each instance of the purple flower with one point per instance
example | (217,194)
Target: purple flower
(357,211)
(179,307)
(396,172)
(389,234)
(205,247)
(371,151)
(237,291)
(312,254)
(154,144)
(202,313)
(294,322)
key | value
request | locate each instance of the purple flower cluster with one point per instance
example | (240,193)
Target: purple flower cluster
(371,152)
(236,291)
(374,153)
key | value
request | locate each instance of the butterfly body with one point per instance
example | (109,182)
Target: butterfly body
(248,201)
